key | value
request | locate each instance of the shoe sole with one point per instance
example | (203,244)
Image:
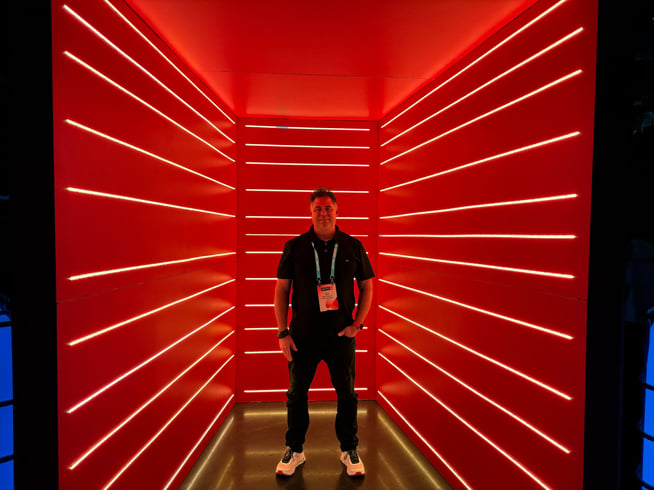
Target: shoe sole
(281,472)
(355,474)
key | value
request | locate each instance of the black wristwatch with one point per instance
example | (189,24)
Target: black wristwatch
(283,333)
(360,326)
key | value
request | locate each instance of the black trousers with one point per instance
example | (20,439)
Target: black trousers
(338,354)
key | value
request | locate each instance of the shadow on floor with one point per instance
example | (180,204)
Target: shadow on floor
(246,448)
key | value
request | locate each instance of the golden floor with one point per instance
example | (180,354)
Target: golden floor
(245,450)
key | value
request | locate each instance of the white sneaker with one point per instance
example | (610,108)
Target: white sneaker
(290,461)
(353,463)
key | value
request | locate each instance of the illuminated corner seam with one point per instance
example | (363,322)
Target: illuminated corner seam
(425,441)
(101,36)
(497,46)
(469,426)
(79,340)
(145,266)
(556,275)
(482,311)
(165,426)
(169,62)
(145,201)
(487,114)
(126,420)
(487,159)
(485,205)
(480,395)
(144,152)
(143,102)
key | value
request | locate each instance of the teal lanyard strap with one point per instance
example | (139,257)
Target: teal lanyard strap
(315,255)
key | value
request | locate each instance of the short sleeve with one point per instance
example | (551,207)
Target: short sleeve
(285,266)
(365,270)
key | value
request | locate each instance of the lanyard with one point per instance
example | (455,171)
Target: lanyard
(315,254)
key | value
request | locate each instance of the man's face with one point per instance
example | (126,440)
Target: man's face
(323,214)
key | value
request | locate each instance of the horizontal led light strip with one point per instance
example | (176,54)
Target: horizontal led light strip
(497,46)
(260,278)
(165,426)
(485,312)
(481,235)
(146,266)
(485,205)
(480,395)
(306,191)
(143,315)
(285,234)
(126,420)
(141,68)
(480,355)
(288,164)
(266,145)
(144,201)
(487,159)
(168,60)
(144,152)
(305,127)
(256,329)
(199,441)
(303,217)
(487,114)
(468,425)
(490,82)
(482,266)
(284,390)
(141,101)
(262,252)
(425,441)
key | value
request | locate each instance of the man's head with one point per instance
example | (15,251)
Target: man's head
(323,210)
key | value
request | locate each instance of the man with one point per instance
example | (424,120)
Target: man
(321,266)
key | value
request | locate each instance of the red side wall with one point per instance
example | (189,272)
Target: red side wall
(137,347)
(275,183)
(482,366)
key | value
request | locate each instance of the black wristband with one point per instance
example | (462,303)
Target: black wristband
(283,333)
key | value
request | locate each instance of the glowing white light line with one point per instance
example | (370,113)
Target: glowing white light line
(486,160)
(259,305)
(422,438)
(144,201)
(303,217)
(169,62)
(165,426)
(480,395)
(481,310)
(200,439)
(117,380)
(259,252)
(305,127)
(260,278)
(497,46)
(487,114)
(141,101)
(143,315)
(481,235)
(271,234)
(259,328)
(490,82)
(480,355)
(485,205)
(126,420)
(557,275)
(468,425)
(288,164)
(268,145)
(144,152)
(146,266)
(303,191)
(141,68)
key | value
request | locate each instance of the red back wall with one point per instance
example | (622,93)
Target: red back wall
(485,180)
(279,162)
(145,180)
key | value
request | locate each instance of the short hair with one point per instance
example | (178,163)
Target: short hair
(322,192)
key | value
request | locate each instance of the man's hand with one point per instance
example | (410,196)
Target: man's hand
(286,345)
(350,331)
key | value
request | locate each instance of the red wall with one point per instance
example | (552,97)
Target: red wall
(485,180)
(144,182)
(274,185)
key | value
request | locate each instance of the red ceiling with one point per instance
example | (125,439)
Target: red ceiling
(344,59)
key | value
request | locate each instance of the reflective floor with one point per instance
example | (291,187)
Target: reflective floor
(244,453)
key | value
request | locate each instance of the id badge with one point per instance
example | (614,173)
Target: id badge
(327,297)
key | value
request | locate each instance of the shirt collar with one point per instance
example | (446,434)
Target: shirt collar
(314,237)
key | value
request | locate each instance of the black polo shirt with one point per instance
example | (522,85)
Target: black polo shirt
(299,265)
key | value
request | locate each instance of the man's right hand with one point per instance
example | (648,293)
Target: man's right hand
(286,345)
